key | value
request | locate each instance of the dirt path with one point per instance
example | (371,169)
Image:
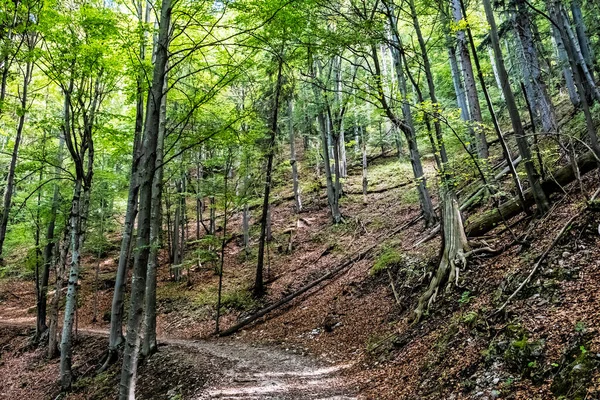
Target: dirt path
(248,371)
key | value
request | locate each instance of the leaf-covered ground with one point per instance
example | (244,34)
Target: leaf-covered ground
(544,345)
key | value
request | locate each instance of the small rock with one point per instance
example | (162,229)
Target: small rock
(495,394)
(566,254)
(496,380)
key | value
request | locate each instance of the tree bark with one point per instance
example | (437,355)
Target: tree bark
(469,78)
(563,60)
(540,197)
(117,307)
(147,171)
(537,92)
(259,288)
(407,127)
(149,345)
(10,179)
(582,37)
(50,243)
(293,156)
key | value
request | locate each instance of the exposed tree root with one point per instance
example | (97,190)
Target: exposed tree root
(455,248)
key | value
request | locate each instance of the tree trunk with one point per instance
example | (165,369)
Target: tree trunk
(588,80)
(176,266)
(54,309)
(455,246)
(10,179)
(495,71)
(537,92)
(505,149)
(483,223)
(578,68)
(365,180)
(469,77)
(115,337)
(408,127)
(522,144)
(582,37)
(146,175)
(149,345)
(563,60)
(80,197)
(293,156)
(259,288)
(50,243)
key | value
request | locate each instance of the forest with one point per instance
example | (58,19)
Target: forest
(299,199)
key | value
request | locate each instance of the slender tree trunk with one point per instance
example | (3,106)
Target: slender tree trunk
(408,127)
(115,337)
(456,80)
(259,288)
(578,69)
(331,198)
(50,243)
(539,195)
(563,60)
(54,310)
(534,84)
(147,171)
(149,345)
(591,89)
(469,77)
(365,179)
(175,268)
(10,179)
(66,375)
(495,71)
(223,239)
(582,37)
(293,156)
(505,149)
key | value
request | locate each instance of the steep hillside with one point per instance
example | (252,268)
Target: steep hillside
(542,345)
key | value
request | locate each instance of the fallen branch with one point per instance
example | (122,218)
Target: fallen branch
(380,190)
(394,288)
(539,262)
(314,283)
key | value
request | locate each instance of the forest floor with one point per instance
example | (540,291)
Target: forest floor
(194,369)
(353,328)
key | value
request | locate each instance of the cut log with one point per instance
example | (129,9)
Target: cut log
(478,225)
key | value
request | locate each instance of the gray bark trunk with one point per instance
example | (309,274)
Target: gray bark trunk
(60,269)
(149,345)
(116,316)
(365,179)
(147,170)
(587,78)
(495,70)
(10,179)
(582,37)
(409,130)
(536,87)
(259,289)
(469,78)
(293,156)
(522,144)
(563,60)
(50,242)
